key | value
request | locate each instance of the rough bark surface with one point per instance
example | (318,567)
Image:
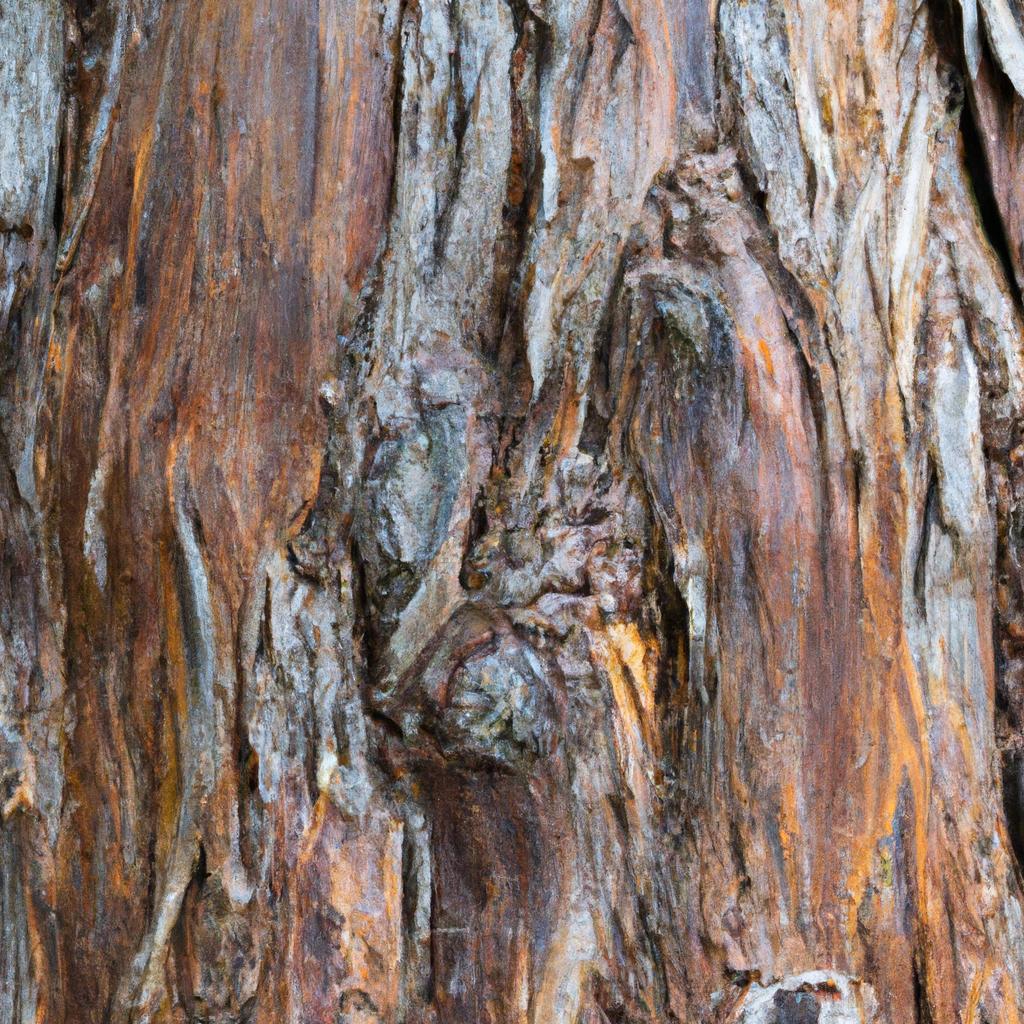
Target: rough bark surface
(512,511)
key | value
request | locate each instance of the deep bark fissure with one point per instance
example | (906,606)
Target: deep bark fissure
(980,182)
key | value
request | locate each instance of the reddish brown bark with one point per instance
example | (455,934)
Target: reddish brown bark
(510,512)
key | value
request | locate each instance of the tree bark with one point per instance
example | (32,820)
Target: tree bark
(511,511)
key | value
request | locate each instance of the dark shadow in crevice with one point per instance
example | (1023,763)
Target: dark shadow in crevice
(1013,800)
(929,521)
(184,953)
(980,181)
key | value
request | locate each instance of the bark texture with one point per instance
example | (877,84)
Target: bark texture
(512,511)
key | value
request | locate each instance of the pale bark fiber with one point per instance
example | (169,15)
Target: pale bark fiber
(512,511)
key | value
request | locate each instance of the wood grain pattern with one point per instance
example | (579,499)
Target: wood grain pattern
(511,512)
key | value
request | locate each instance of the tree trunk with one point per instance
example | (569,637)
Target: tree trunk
(511,511)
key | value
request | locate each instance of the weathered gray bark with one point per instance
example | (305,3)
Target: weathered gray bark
(511,511)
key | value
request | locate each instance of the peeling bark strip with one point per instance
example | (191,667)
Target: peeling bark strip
(512,512)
